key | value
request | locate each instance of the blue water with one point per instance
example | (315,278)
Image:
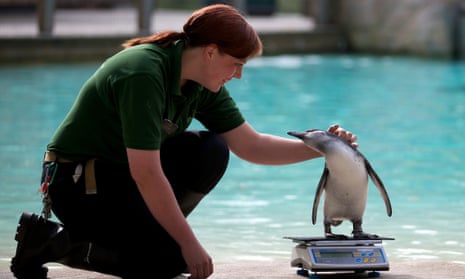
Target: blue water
(408,113)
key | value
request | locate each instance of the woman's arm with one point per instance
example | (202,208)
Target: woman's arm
(268,149)
(155,189)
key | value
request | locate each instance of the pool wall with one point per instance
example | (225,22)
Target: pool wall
(72,48)
(424,28)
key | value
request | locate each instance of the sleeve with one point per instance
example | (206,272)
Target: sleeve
(218,112)
(141,101)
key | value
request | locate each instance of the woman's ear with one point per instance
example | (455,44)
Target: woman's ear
(210,50)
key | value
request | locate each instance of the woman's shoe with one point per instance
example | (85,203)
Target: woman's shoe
(32,234)
(41,241)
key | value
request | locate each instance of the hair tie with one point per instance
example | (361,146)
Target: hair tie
(183,36)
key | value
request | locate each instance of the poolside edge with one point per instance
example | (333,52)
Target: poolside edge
(282,269)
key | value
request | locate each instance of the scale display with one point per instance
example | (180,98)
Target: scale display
(347,257)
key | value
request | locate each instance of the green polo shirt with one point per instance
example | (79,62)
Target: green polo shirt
(127,100)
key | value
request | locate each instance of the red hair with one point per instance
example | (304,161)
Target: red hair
(218,24)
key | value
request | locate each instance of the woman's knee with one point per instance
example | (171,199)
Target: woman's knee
(195,160)
(215,148)
(213,162)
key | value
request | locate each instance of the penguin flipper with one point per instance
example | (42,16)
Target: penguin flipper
(379,184)
(319,192)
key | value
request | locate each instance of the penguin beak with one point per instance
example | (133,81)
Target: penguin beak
(299,135)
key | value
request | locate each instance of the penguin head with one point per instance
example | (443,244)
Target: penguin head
(315,139)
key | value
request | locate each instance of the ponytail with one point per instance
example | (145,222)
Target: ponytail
(163,38)
(217,24)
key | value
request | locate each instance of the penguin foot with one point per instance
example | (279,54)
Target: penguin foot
(363,235)
(336,236)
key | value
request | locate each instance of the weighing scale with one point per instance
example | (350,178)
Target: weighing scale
(319,254)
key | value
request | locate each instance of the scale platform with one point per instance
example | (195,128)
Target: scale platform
(319,254)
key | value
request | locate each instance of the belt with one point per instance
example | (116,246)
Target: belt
(89,170)
(51,156)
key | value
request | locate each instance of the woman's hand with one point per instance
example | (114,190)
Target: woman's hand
(198,261)
(342,133)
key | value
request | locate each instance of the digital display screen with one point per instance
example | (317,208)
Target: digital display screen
(335,254)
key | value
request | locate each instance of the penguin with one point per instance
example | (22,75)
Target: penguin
(344,181)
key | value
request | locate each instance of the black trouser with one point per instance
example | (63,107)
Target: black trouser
(117,217)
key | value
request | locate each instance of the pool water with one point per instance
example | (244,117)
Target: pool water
(408,113)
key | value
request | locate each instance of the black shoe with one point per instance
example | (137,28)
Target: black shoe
(32,234)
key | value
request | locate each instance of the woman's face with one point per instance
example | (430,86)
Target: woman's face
(220,68)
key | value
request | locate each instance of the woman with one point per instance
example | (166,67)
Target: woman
(122,173)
